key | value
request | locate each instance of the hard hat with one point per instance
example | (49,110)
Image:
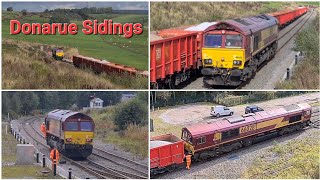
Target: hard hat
(42,122)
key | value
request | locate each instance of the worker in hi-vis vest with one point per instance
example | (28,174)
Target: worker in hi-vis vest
(188,160)
(54,156)
(43,129)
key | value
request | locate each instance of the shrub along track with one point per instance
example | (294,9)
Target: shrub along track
(314,124)
(122,168)
(92,168)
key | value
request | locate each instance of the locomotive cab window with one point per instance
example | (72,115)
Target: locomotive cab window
(71,126)
(186,136)
(85,126)
(233,41)
(230,134)
(213,41)
(295,118)
(201,140)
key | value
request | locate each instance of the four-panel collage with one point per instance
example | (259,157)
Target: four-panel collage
(160,90)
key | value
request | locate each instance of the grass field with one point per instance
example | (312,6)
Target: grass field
(26,68)
(173,14)
(114,48)
(294,160)
(9,148)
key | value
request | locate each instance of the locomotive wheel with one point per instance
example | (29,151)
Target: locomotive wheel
(247,142)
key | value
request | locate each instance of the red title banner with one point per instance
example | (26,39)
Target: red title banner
(107,27)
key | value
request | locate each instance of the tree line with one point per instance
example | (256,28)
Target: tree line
(171,98)
(19,103)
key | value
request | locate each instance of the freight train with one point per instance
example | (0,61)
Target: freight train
(102,66)
(70,132)
(167,152)
(227,52)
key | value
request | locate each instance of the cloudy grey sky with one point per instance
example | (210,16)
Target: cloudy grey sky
(41,6)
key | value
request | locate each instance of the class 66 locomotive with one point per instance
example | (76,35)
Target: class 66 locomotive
(233,49)
(211,139)
(57,53)
(70,132)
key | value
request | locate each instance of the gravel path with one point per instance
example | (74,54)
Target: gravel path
(234,164)
(196,113)
(273,71)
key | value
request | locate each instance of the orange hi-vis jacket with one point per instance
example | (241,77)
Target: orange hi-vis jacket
(188,158)
(43,129)
(54,155)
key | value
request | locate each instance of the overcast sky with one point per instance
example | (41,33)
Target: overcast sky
(41,6)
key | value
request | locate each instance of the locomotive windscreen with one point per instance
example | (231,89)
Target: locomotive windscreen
(79,126)
(213,41)
(71,126)
(86,126)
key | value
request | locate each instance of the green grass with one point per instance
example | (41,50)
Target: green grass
(298,159)
(9,149)
(134,139)
(166,15)
(161,127)
(26,172)
(33,70)
(117,49)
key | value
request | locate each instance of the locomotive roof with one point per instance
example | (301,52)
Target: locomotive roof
(245,25)
(235,122)
(63,115)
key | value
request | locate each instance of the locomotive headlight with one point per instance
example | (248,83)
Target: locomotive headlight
(236,62)
(69,139)
(208,61)
(89,140)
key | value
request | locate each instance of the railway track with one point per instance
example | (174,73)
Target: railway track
(135,170)
(283,45)
(98,173)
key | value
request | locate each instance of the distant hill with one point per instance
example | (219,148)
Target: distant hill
(130,12)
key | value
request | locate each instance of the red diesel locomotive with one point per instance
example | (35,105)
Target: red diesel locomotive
(225,135)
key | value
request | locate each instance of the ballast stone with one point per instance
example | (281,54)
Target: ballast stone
(25,154)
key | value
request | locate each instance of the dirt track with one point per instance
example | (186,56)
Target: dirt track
(196,113)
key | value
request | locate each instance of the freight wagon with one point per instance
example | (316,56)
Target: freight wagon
(166,153)
(285,17)
(174,59)
(102,66)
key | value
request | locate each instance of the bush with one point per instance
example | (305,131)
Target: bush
(9,9)
(133,112)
